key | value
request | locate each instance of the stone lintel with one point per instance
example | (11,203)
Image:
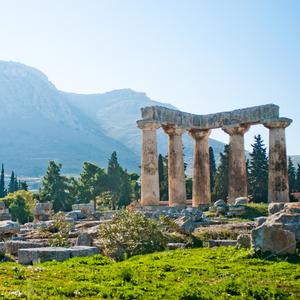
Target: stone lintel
(280,123)
(251,115)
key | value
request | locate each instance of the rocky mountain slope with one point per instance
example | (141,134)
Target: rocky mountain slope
(40,123)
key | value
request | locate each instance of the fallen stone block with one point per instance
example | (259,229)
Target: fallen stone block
(9,228)
(243,241)
(260,220)
(241,200)
(274,208)
(84,239)
(12,247)
(274,239)
(37,255)
(173,246)
(221,243)
(2,251)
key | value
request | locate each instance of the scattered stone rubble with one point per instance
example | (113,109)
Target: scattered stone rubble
(280,232)
(277,233)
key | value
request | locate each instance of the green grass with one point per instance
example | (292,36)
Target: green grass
(222,273)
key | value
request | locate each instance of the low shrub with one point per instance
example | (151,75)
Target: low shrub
(130,233)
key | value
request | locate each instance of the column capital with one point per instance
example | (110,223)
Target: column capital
(280,123)
(239,129)
(198,134)
(146,125)
(172,130)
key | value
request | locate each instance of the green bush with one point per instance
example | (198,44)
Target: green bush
(131,233)
(20,205)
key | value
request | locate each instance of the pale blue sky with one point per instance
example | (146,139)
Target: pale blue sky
(201,56)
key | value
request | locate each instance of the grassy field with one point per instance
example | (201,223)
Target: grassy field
(222,273)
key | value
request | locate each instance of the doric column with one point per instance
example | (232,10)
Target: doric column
(149,164)
(177,190)
(201,174)
(278,188)
(237,174)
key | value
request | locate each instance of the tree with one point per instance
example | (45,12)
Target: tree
(20,205)
(12,183)
(2,183)
(23,185)
(114,173)
(91,183)
(163,177)
(258,171)
(292,176)
(212,168)
(221,178)
(55,188)
(298,179)
(125,191)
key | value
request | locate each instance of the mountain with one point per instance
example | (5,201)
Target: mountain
(40,123)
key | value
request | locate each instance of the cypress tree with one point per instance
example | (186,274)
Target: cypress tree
(258,171)
(125,190)
(12,184)
(2,183)
(114,173)
(292,176)
(221,178)
(298,179)
(212,168)
(163,177)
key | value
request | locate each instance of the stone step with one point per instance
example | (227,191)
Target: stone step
(37,255)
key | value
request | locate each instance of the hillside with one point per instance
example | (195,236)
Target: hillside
(40,123)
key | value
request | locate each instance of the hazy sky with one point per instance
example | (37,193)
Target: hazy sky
(201,56)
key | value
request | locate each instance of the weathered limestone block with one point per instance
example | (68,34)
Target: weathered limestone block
(201,172)
(237,185)
(274,239)
(278,190)
(85,208)
(243,241)
(221,243)
(42,211)
(236,211)
(186,224)
(84,239)
(9,228)
(37,255)
(241,201)
(149,164)
(173,246)
(220,202)
(12,246)
(261,220)
(2,250)
(176,176)
(274,208)
(4,212)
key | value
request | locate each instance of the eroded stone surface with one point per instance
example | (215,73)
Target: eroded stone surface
(36,255)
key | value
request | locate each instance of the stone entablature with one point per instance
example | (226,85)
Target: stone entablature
(251,115)
(235,123)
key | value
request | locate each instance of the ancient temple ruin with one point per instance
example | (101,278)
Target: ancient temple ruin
(235,123)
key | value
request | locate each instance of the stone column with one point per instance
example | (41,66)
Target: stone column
(237,174)
(201,174)
(278,187)
(149,164)
(176,177)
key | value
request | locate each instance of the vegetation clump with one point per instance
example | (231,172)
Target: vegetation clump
(130,233)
